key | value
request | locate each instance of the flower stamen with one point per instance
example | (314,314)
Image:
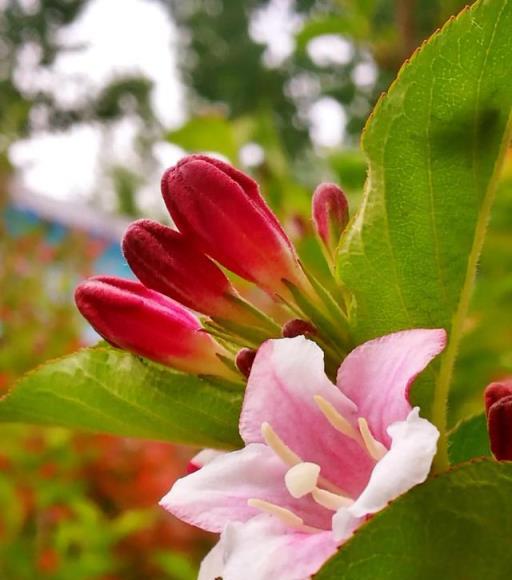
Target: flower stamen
(278,446)
(283,514)
(374,447)
(329,500)
(336,419)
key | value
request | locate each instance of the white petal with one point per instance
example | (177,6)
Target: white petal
(264,549)
(344,524)
(212,565)
(406,464)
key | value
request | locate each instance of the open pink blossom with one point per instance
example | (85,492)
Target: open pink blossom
(318,458)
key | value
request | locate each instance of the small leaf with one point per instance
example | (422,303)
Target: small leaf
(111,391)
(455,526)
(469,439)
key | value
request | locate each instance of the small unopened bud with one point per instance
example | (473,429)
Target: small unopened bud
(165,261)
(298,327)
(498,407)
(244,360)
(330,215)
(221,211)
(203,458)
(132,317)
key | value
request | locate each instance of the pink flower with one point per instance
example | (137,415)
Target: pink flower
(221,211)
(318,458)
(132,317)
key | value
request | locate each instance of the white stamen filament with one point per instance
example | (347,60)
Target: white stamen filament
(283,514)
(374,447)
(336,419)
(329,500)
(278,446)
(301,479)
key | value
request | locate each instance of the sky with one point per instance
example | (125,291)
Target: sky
(66,165)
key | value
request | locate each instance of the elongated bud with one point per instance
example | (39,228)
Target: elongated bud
(221,211)
(330,215)
(134,318)
(298,327)
(244,359)
(498,407)
(164,260)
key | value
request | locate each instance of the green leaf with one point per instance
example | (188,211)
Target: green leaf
(207,133)
(469,439)
(456,526)
(111,391)
(434,145)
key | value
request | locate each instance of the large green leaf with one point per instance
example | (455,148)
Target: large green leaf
(454,527)
(434,145)
(111,391)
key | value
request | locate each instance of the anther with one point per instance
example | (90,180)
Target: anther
(336,419)
(278,446)
(374,447)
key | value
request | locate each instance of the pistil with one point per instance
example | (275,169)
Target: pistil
(301,479)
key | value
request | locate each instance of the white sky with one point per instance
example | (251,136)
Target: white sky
(140,38)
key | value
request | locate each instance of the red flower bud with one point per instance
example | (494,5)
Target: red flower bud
(298,327)
(221,210)
(330,214)
(134,318)
(498,407)
(164,260)
(244,359)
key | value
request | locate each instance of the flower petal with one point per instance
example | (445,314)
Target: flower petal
(285,376)
(263,548)
(219,491)
(406,464)
(377,375)
(212,565)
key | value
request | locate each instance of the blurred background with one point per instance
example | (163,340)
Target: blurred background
(97,98)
